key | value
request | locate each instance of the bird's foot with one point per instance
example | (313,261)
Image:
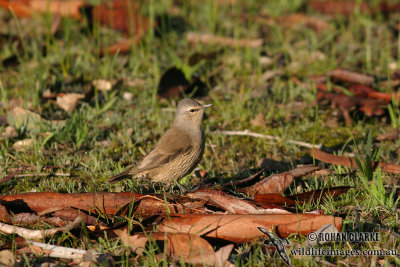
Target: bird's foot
(181,188)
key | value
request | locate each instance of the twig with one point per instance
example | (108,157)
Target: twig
(205,38)
(37,234)
(268,137)
(65,253)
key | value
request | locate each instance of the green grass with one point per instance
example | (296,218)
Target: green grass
(129,129)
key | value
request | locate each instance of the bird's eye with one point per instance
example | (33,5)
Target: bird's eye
(192,110)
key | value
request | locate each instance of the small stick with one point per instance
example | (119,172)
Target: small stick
(63,252)
(268,137)
(37,234)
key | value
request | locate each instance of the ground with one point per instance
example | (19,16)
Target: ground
(111,129)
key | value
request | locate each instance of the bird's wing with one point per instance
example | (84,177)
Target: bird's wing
(173,144)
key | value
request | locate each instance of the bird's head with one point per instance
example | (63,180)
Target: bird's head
(189,113)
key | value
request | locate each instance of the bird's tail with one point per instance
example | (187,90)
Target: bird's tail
(123,175)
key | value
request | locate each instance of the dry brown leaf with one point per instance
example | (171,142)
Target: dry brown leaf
(243,228)
(190,248)
(266,199)
(390,135)
(69,8)
(7,258)
(232,204)
(102,84)
(26,8)
(69,102)
(23,144)
(342,7)
(366,91)
(370,107)
(20,117)
(70,214)
(277,183)
(108,203)
(4,215)
(351,162)
(351,76)
(122,15)
(9,132)
(270,74)
(298,20)
(128,96)
(259,120)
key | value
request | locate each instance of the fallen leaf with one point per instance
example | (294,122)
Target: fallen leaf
(109,203)
(19,117)
(366,91)
(31,121)
(350,162)
(69,102)
(10,132)
(190,248)
(277,199)
(122,15)
(270,74)
(26,8)
(49,94)
(342,7)
(390,135)
(24,144)
(277,183)
(7,258)
(351,76)
(102,85)
(232,204)
(71,214)
(128,96)
(4,214)
(243,228)
(346,8)
(299,20)
(370,107)
(266,61)
(136,82)
(259,120)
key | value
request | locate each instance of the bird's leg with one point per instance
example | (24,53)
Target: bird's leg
(181,188)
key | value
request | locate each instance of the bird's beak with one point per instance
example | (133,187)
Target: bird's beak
(206,106)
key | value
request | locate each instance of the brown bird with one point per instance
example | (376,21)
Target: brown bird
(179,150)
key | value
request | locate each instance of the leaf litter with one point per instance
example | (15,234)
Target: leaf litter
(205,217)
